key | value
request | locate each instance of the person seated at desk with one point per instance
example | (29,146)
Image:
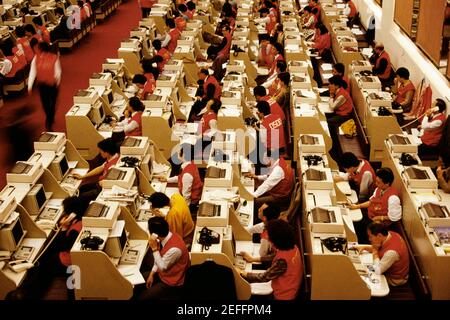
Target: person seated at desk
(151,71)
(180,17)
(266,251)
(260,94)
(351,12)
(208,124)
(279,49)
(342,105)
(272,84)
(266,51)
(41,29)
(391,256)
(132,124)
(145,87)
(170,38)
(278,183)
(277,35)
(209,88)
(286,270)
(225,46)
(162,52)
(322,43)
(179,217)
(268,19)
(309,19)
(404,90)
(191,9)
(314,4)
(30,33)
(24,44)
(283,94)
(171,261)
(433,127)
(339,70)
(360,174)
(383,206)
(382,65)
(109,151)
(189,182)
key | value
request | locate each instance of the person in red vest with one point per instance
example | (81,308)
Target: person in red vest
(12,63)
(208,123)
(146,85)
(391,253)
(170,39)
(360,174)
(339,70)
(260,94)
(132,124)
(277,185)
(46,70)
(109,151)
(24,44)
(162,52)
(30,33)
(314,4)
(322,42)
(433,126)
(180,18)
(382,66)
(309,20)
(20,54)
(279,50)
(171,261)
(266,51)
(268,19)
(225,46)
(342,105)
(404,91)
(41,29)
(383,206)
(211,87)
(191,9)
(286,270)
(272,84)
(351,12)
(146,7)
(271,129)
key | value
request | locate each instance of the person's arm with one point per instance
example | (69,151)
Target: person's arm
(165,262)
(366,182)
(67,242)
(389,258)
(341,176)
(359,205)
(433,124)
(188,180)
(394,208)
(274,178)
(408,98)
(257,228)
(32,74)
(129,126)
(173,179)
(93,172)
(336,103)
(6,68)
(277,269)
(270,80)
(213,130)
(166,40)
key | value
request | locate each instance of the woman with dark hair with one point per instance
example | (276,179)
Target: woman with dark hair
(286,269)
(404,91)
(322,41)
(132,124)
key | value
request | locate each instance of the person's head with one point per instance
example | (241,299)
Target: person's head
(158,226)
(190,5)
(156,44)
(37,21)
(263,108)
(384,178)
(139,80)
(29,30)
(440,104)
(334,83)
(151,66)
(203,73)
(268,212)
(349,162)
(281,234)
(34,43)
(214,105)
(45,47)
(20,32)
(226,29)
(323,29)
(80,3)
(135,104)
(59,12)
(170,23)
(77,205)
(278,47)
(379,47)
(263,12)
(281,66)
(182,8)
(264,38)
(268,4)
(402,74)
(314,11)
(159,200)
(107,148)
(346,1)
(24,11)
(338,69)
(259,92)
(285,78)
(377,233)
(307,9)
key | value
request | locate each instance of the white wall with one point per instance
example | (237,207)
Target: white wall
(403,52)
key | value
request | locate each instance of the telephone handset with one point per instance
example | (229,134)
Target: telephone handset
(65,222)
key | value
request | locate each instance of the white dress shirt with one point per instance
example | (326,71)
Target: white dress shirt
(33,72)
(394,207)
(270,180)
(431,124)
(366,180)
(188,180)
(129,126)
(165,262)
(389,258)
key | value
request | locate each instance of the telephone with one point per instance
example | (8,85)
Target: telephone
(313,160)
(383,111)
(20,265)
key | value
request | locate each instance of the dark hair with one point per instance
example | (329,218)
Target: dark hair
(159,200)
(339,67)
(204,71)
(139,78)
(182,7)
(323,29)
(263,36)
(376,228)
(159,226)
(59,10)
(37,21)
(281,65)
(386,175)
(307,9)
(259,91)
(190,5)
(45,47)
(285,77)
(314,10)
(170,23)
(441,104)
(263,107)
(156,44)
(20,31)
(108,145)
(136,104)
(264,10)
(226,27)
(271,213)
(349,160)
(216,105)
(336,81)
(187,151)
(77,205)
(30,28)
(279,47)
(403,73)
(281,234)
(33,42)
(147,66)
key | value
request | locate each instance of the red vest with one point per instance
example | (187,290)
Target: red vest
(379,203)
(206,118)
(275,131)
(273,89)
(16,66)
(107,165)
(306,19)
(149,86)
(274,107)
(174,36)
(266,53)
(353,10)
(138,118)
(190,14)
(44,33)
(271,24)
(165,54)
(29,54)
(181,23)
(175,275)
(400,268)
(347,81)
(347,107)
(402,91)
(387,72)
(284,187)
(64,256)
(431,137)
(147,3)
(45,68)
(357,176)
(278,57)
(217,92)
(226,50)
(197,185)
(21,55)
(322,42)
(286,286)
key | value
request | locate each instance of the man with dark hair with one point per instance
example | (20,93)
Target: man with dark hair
(145,87)
(286,270)
(260,94)
(271,131)
(360,174)
(171,260)
(170,39)
(404,91)
(390,252)
(209,88)
(432,125)
(339,70)
(178,217)
(41,29)
(272,83)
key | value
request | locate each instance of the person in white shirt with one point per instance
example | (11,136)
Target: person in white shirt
(432,128)
(132,124)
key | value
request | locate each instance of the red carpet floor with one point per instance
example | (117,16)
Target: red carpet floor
(77,65)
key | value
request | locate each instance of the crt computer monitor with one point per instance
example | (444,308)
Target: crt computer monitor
(110,97)
(12,235)
(63,166)
(40,197)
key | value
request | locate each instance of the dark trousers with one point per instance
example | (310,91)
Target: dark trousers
(145,12)
(333,125)
(49,94)
(427,151)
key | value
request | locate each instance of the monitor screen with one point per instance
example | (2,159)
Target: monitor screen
(40,197)
(123,239)
(17,232)
(64,166)
(110,97)
(100,111)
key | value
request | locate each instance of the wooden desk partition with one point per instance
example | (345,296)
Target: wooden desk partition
(403,15)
